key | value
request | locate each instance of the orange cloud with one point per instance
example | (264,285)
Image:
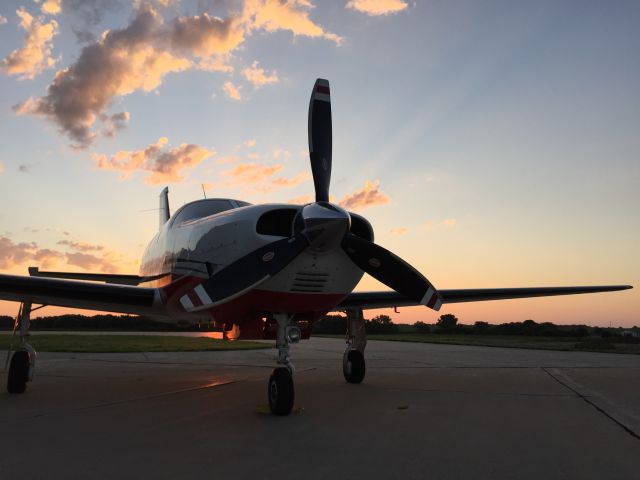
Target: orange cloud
(35,55)
(51,7)
(291,15)
(232,91)
(293,181)
(399,231)
(3,20)
(377,7)
(368,196)
(164,165)
(251,172)
(26,254)
(258,77)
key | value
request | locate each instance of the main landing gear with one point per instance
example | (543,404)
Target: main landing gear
(353,364)
(23,361)
(280,388)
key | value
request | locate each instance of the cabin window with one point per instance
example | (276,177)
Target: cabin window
(201,209)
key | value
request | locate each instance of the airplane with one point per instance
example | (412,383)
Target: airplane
(257,271)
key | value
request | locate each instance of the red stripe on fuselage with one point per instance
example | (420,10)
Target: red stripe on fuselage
(322,89)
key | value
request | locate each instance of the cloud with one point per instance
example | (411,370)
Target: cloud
(24,168)
(293,181)
(377,7)
(399,231)
(122,62)
(232,91)
(258,77)
(13,254)
(114,123)
(88,261)
(3,20)
(1,167)
(81,246)
(249,143)
(367,196)
(35,55)
(164,164)
(51,7)
(139,56)
(291,15)
(251,172)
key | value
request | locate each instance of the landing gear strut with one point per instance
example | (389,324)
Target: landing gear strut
(23,361)
(280,388)
(353,364)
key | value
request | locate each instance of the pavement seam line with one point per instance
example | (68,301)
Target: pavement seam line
(593,404)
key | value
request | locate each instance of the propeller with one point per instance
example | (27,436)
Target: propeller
(320,138)
(244,274)
(319,227)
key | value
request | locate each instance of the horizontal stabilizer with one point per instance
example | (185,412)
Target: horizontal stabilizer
(118,279)
(74,294)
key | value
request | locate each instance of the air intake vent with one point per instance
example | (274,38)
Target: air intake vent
(309,282)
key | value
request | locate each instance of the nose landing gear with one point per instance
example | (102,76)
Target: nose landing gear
(280,387)
(353,364)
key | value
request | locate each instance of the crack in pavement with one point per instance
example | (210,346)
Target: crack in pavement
(586,398)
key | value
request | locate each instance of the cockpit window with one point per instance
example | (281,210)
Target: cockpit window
(201,209)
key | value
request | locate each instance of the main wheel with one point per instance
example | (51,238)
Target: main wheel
(18,372)
(353,366)
(281,394)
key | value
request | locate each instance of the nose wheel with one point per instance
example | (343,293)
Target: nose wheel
(281,391)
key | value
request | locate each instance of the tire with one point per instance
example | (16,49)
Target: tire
(280,391)
(18,372)
(353,366)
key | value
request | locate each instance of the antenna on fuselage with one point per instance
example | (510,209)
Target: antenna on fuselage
(203,192)
(164,207)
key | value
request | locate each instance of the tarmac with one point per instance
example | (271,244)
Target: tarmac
(423,412)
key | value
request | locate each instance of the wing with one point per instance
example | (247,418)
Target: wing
(74,294)
(393,299)
(95,277)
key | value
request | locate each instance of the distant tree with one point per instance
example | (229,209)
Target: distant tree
(481,327)
(447,322)
(330,325)
(422,327)
(381,324)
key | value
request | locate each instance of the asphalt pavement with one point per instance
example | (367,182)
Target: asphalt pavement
(424,412)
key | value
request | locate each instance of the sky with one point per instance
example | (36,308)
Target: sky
(489,143)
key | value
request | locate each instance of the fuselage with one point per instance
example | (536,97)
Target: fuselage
(205,236)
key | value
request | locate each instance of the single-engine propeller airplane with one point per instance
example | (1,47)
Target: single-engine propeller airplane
(259,271)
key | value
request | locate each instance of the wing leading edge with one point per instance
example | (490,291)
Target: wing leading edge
(390,299)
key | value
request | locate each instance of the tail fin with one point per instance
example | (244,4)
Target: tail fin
(164,207)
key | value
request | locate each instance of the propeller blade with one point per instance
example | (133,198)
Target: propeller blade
(391,270)
(244,274)
(320,138)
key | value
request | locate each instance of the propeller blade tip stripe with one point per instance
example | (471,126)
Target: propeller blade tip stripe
(203,295)
(428,296)
(186,302)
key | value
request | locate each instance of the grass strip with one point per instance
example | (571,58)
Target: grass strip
(130,343)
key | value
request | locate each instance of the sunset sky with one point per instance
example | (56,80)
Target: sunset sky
(490,143)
